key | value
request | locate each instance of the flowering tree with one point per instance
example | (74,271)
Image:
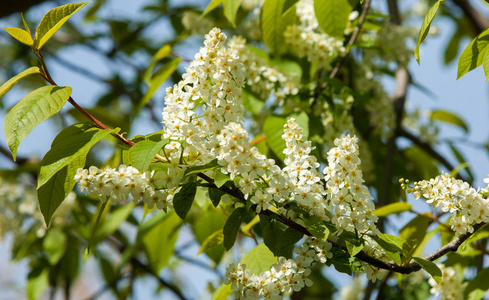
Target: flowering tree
(277,138)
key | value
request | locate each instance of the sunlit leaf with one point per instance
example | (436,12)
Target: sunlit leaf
(160,76)
(230,9)
(21,35)
(332,15)
(425,27)
(33,109)
(273,24)
(143,153)
(393,208)
(53,20)
(473,55)
(430,267)
(14,80)
(450,118)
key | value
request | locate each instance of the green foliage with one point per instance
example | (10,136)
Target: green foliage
(393,208)
(157,79)
(259,259)
(430,267)
(14,80)
(21,35)
(274,23)
(477,287)
(208,230)
(425,27)
(332,15)
(33,109)
(230,9)
(474,55)
(143,153)
(183,199)
(231,227)
(53,20)
(450,118)
(159,240)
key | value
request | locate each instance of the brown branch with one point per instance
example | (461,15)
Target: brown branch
(478,20)
(352,40)
(428,149)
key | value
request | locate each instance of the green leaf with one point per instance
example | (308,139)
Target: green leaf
(269,232)
(159,241)
(273,24)
(143,153)
(286,241)
(58,187)
(71,143)
(230,9)
(485,65)
(222,293)
(206,228)
(450,118)
(473,55)
(21,35)
(14,80)
(316,227)
(220,178)
(273,128)
(199,169)
(211,6)
(211,241)
(54,245)
(288,5)
(425,27)
(430,267)
(259,259)
(112,222)
(37,282)
(287,67)
(252,104)
(232,226)
(393,208)
(162,53)
(354,248)
(415,230)
(332,15)
(33,109)
(182,201)
(158,78)
(477,287)
(53,20)
(215,195)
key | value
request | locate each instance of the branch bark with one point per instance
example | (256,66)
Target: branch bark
(478,20)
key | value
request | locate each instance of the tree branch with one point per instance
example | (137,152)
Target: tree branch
(428,149)
(478,20)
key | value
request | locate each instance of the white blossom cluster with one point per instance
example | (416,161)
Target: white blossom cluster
(19,206)
(451,286)
(455,196)
(426,127)
(301,171)
(152,188)
(285,276)
(381,111)
(260,76)
(307,39)
(349,198)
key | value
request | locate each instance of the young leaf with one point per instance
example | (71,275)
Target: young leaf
(158,78)
(160,241)
(393,208)
(21,35)
(230,9)
(163,52)
(33,109)
(332,15)
(14,80)
(207,224)
(53,20)
(211,6)
(425,27)
(477,287)
(232,226)
(220,178)
(259,259)
(485,65)
(143,153)
(182,201)
(222,293)
(448,117)
(354,249)
(473,55)
(71,143)
(288,5)
(55,191)
(273,24)
(211,241)
(430,267)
